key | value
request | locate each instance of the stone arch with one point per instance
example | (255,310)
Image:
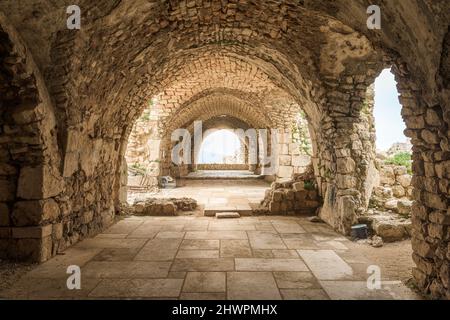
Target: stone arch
(30,180)
(106,79)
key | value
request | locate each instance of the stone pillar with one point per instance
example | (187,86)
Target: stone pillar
(428,127)
(30,181)
(346,151)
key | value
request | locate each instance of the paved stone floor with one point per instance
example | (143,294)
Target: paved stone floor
(222,174)
(205,258)
(216,195)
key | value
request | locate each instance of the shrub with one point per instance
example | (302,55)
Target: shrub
(138,169)
(309,185)
(401,159)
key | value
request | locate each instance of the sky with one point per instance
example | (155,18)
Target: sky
(388,120)
(218,145)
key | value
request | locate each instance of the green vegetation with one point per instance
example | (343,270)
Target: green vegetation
(146,115)
(309,185)
(147,112)
(138,169)
(300,134)
(401,159)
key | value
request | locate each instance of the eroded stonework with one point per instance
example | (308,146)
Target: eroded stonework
(69,100)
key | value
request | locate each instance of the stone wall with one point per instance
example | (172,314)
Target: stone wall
(291,159)
(298,195)
(265,59)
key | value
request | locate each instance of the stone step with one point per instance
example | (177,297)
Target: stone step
(227,215)
(243,210)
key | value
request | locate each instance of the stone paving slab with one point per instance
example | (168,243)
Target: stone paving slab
(216,235)
(205,282)
(126,269)
(192,244)
(358,290)
(252,286)
(265,240)
(304,294)
(326,264)
(235,249)
(245,264)
(138,288)
(220,264)
(202,258)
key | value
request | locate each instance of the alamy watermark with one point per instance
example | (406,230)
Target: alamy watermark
(73,22)
(374,20)
(262,146)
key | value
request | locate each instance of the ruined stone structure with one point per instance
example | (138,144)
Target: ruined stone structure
(149,146)
(69,100)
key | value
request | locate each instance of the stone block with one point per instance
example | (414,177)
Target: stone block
(5,233)
(400,170)
(227,215)
(404,207)
(390,231)
(423,248)
(38,183)
(398,191)
(391,204)
(169,209)
(277,196)
(87,217)
(57,231)
(284,149)
(294,149)
(274,207)
(32,232)
(7,190)
(285,171)
(434,201)
(7,170)
(290,195)
(301,160)
(33,250)
(346,181)
(404,180)
(285,160)
(298,186)
(345,165)
(301,195)
(4,215)
(387,176)
(436,230)
(440,217)
(32,213)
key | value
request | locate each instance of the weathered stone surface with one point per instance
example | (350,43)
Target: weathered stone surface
(4,215)
(227,215)
(31,213)
(263,70)
(38,183)
(404,207)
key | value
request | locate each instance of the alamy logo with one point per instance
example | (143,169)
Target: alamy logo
(374,279)
(259,146)
(74,20)
(374,20)
(74,280)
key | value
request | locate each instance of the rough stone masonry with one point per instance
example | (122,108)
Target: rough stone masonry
(69,99)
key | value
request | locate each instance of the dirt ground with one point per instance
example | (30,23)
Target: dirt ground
(394,259)
(11,272)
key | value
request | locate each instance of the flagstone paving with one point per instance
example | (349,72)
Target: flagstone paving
(214,195)
(186,257)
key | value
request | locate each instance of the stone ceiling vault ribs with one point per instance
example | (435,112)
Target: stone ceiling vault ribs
(315,54)
(215,105)
(214,69)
